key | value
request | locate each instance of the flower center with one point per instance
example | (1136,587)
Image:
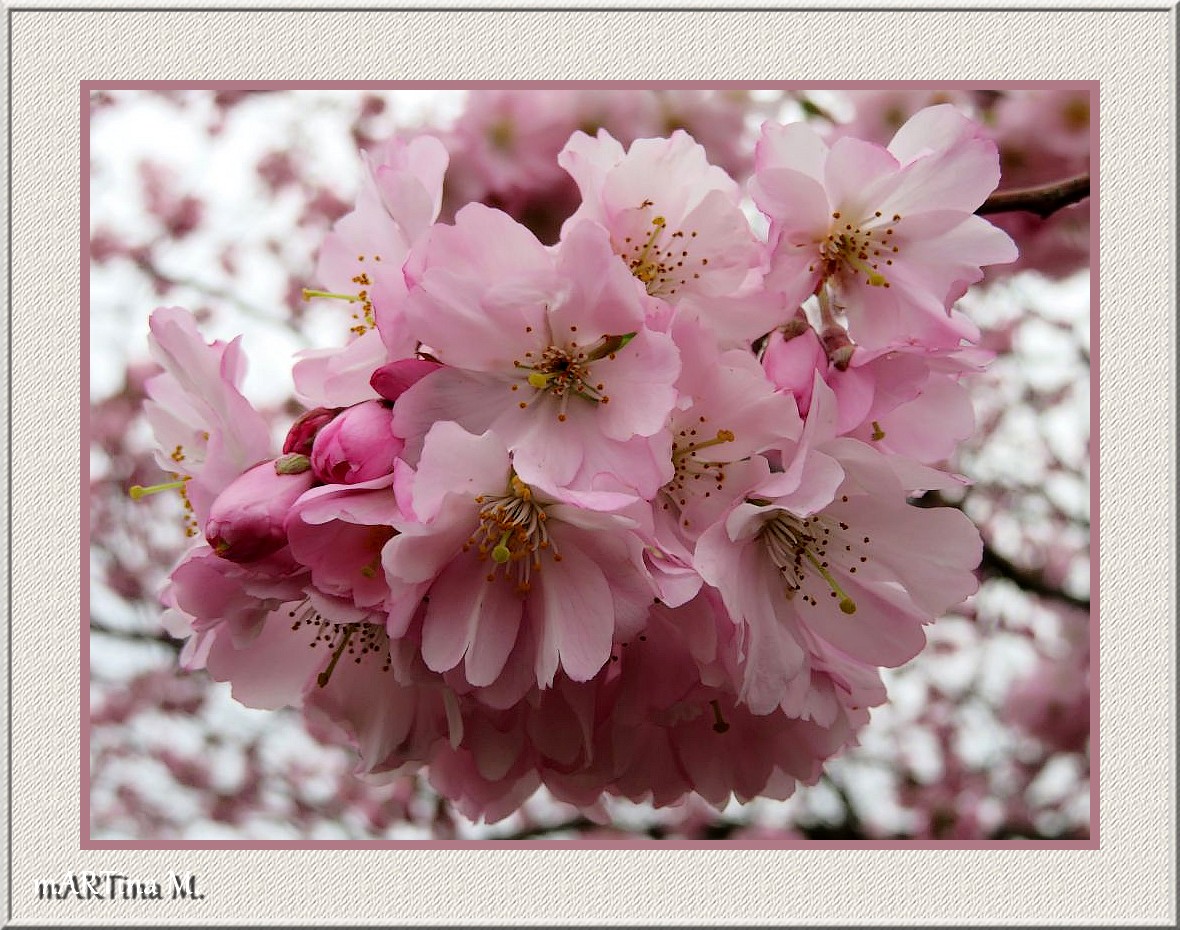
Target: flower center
(662,259)
(564,371)
(796,546)
(358,640)
(513,533)
(861,248)
(694,475)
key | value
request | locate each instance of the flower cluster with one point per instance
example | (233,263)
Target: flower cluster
(628,513)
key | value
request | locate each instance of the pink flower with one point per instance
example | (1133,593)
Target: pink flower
(906,400)
(247,520)
(395,727)
(887,236)
(205,592)
(673,218)
(206,430)
(361,258)
(728,410)
(828,554)
(495,548)
(357,446)
(548,350)
(665,727)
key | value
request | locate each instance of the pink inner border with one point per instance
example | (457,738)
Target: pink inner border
(85,842)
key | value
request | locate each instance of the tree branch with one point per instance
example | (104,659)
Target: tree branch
(157,638)
(1044,201)
(996,566)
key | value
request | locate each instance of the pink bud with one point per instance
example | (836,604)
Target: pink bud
(358,445)
(246,521)
(303,431)
(395,378)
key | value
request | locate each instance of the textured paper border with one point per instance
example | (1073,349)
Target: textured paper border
(1128,881)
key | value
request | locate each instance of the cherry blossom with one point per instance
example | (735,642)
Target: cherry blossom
(886,236)
(638,508)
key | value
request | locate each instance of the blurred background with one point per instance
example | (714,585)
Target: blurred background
(218,200)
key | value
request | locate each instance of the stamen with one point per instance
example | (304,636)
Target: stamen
(788,542)
(517,524)
(875,279)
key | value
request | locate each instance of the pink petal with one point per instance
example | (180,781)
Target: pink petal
(576,606)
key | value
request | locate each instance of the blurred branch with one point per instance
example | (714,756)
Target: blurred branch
(138,636)
(1044,201)
(997,566)
(144,262)
(575,825)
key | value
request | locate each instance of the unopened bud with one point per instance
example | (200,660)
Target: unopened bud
(395,378)
(247,518)
(303,431)
(357,446)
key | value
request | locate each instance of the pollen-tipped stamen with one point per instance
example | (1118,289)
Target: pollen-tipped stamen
(517,525)
(788,542)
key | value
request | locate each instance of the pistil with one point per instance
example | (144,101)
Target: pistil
(138,491)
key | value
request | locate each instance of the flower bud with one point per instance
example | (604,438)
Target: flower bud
(357,446)
(246,520)
(303,431)
(395,378)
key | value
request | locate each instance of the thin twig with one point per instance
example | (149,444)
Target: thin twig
(146,637)
(1044,201)
(1030,580)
